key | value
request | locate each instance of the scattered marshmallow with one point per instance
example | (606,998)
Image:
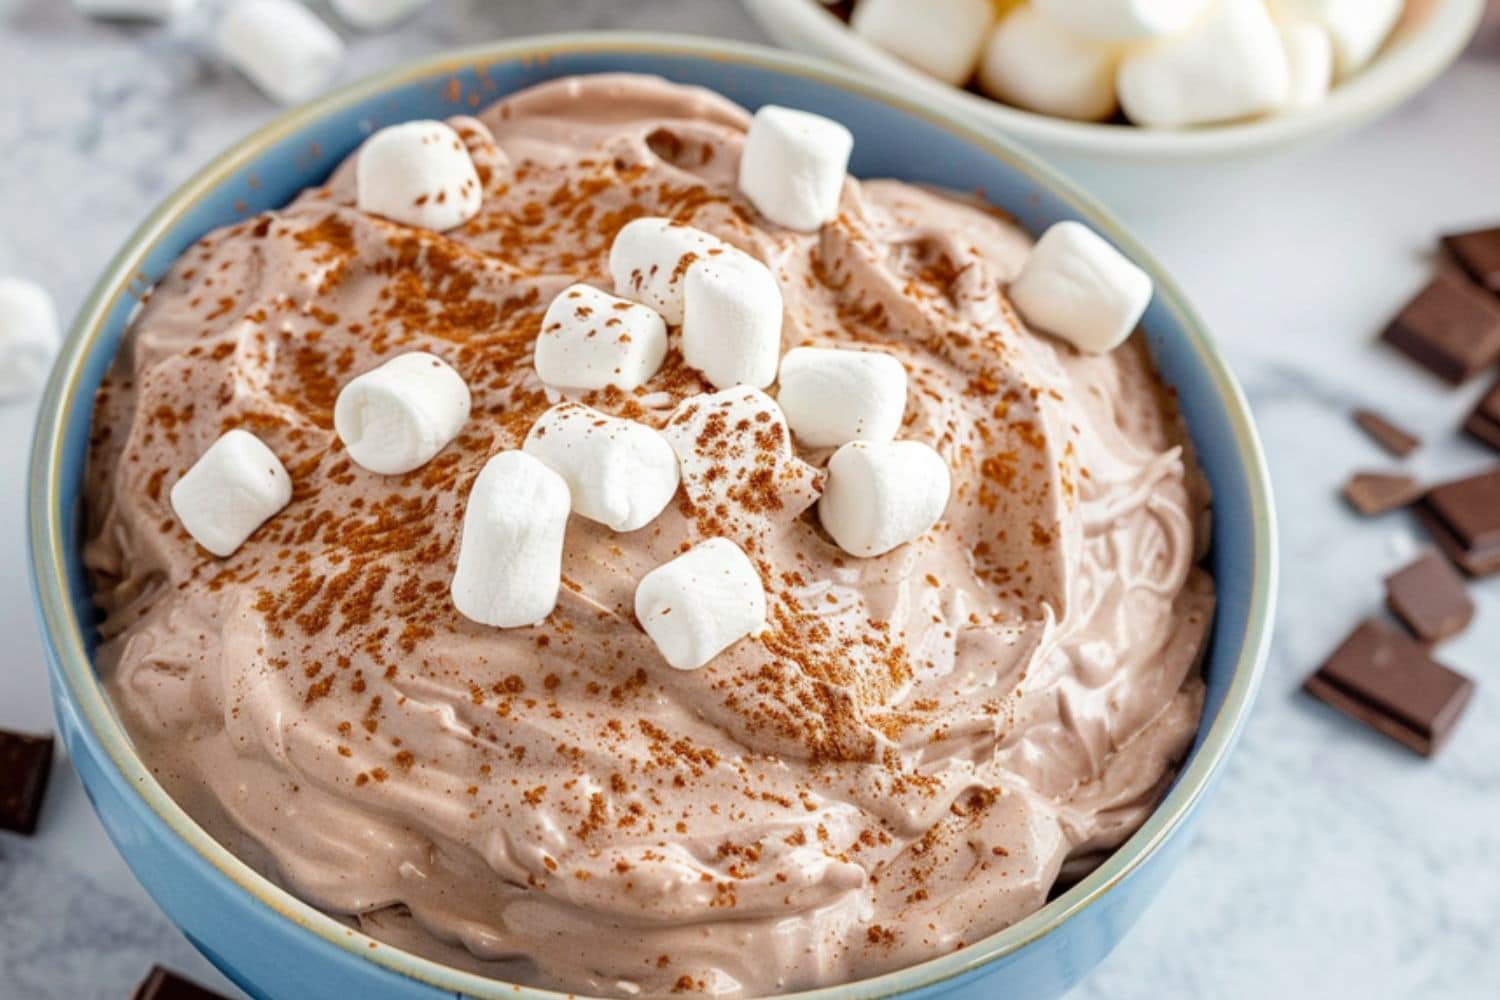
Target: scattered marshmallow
(619,472)
(1309,59)
(591,339)
(1034,64)
(1357,28)
(731,319)
(831,397)
(510,554)
(793,166)
(372,15)
(237,485)
(1121,20)
(28,336)
(1229,64)
(397,417)
(701,603)
(882,494)
(1078,287)
(418,174)
(940,37)
(282,47)
(135,10)
(650,257)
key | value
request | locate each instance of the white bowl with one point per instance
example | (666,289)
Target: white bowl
(1429,36)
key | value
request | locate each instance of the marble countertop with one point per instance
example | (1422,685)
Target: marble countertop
(1332,863)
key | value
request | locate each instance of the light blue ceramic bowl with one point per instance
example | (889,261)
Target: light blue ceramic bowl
(276,946)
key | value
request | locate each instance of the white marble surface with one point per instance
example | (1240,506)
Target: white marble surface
(1331,863)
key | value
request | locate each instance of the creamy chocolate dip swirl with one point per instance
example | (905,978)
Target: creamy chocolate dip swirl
(910,758)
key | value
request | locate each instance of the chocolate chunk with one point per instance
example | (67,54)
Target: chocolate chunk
(1386,434)
(1429,596)
(164,984)
(25,765)
(1484,422)
(1373,493)
(1387,681)
(1463,517)
(1451,328)
(1478,253)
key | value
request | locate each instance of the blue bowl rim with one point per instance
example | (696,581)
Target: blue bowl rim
(75,679)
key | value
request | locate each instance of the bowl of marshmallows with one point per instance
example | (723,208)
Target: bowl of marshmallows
(1145,80)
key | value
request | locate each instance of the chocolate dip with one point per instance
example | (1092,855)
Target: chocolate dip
(911,757)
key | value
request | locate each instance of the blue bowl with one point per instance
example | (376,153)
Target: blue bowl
(274,945)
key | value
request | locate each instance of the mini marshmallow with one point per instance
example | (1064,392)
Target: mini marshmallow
(135,10)
(831,397)
(1357,28)
(395,418)
(619,472)
(793,166)
(418,174)
(1120,20)
(731,320)
(650,257)
(1078,287)
(940,37)
(28,336)
(1309,59)
(282,47)
(701,603)
(372,15)
(590,339)
(1032,63)
(237,485)
(1230,64)
(510,554)
(882,494)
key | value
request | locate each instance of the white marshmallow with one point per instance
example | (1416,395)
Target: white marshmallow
(237,485)
(591,339)
(1078,287)
(395,418)
(1357,28)
(831,397)
(701,603)
(28,336)
(282,47)
(1309,59)
(372,15)
(1120,20)
(649,260)
(619,472)
(940,37)
(135,10)
(510,554)
(1230,64)
(793,166)
(1032,63)
(731,319)
(418,174)
(882,494)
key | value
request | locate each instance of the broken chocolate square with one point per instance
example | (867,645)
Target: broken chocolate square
(1451,328)
(1373,493)
(1478,253)
(1463,517)
(1429,597)
(25,765)
(1484,422)
(1386,434)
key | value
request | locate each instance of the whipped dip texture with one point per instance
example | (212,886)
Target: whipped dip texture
(912,756)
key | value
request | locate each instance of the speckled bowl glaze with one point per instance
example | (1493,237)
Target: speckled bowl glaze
(273,944)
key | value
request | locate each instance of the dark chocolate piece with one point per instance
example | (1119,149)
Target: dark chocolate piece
(1463,517)
(1484,422)
(1478,253)
(25,765)
(164,984)
(1386,434)
(1373,493)
(1451,328)
(1387,681)
(1429,596)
